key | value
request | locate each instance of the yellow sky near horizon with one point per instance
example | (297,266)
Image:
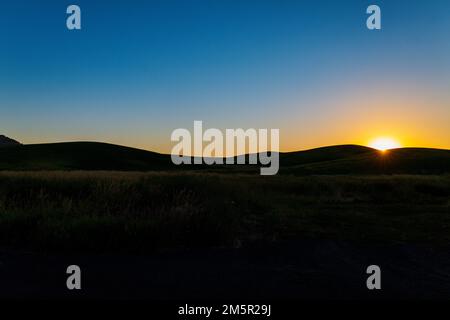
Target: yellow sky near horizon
(352,116)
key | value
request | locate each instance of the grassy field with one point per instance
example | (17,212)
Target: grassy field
(139,212)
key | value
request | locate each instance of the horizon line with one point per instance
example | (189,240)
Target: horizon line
(162,153)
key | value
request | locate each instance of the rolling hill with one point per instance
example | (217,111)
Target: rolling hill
(395,161)
(7,142)
(342,159)
(80,156)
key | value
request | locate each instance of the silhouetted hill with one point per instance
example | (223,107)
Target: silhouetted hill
(6,142)
(343,159)
(324,154)
(395,161)
(80,156)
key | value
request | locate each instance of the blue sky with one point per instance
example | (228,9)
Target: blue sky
(139,69)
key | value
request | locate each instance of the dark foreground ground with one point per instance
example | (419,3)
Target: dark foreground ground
(295,270)
(200,235)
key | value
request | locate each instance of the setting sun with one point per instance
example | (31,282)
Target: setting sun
(384,143)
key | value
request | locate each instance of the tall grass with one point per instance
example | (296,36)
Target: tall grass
(116,211)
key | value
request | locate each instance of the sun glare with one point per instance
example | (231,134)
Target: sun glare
(384,143)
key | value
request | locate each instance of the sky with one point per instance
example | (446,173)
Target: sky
(137,70)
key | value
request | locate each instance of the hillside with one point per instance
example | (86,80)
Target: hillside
(343,159)
(80,156)
(6,142)
(324,154)
(395,161)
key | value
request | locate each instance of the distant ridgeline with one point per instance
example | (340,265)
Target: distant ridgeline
(342,159)
(5,141)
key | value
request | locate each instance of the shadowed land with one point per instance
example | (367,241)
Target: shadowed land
(223,232)
(195,235)
(71,197)
(114,211)
(343,159)
(294,270)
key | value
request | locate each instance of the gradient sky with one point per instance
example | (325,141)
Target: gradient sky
(139,69)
